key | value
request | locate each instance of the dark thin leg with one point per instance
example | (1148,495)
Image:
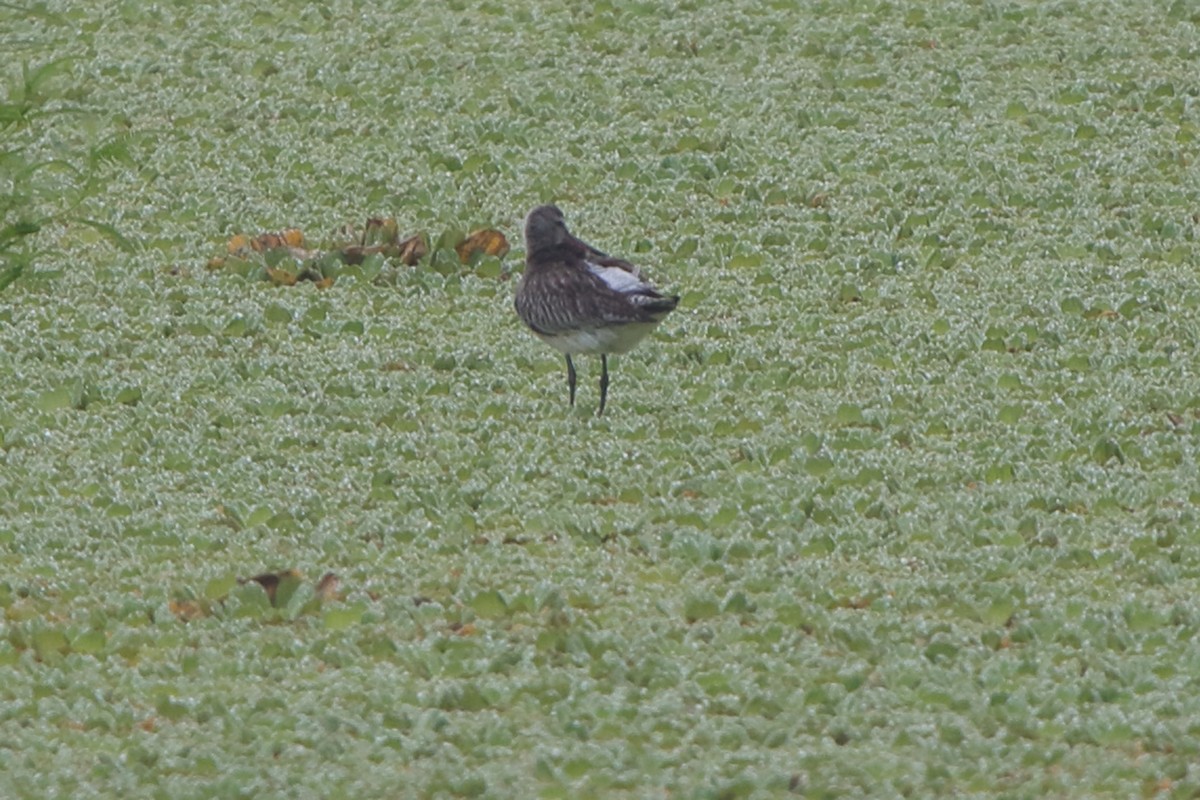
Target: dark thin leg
(571,378)
(603,382)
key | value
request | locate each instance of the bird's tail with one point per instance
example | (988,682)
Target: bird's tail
(661,304)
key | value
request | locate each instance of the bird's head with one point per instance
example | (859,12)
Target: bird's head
(544,228)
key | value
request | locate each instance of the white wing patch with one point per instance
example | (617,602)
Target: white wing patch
(619,280)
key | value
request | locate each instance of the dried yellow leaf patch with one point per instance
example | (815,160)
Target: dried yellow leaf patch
(488,241)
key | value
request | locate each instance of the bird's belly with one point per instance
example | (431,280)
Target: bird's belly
(594,341)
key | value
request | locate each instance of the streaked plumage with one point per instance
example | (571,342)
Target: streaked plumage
(580,300)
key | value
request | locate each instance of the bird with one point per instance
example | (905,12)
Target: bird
(582,301)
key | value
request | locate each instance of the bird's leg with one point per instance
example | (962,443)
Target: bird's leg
(603,382)
(571,378)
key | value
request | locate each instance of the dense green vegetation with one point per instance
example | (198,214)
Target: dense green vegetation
(902,501)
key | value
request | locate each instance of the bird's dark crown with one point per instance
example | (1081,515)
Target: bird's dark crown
(545,228)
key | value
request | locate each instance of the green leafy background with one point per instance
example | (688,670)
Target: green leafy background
(901,502)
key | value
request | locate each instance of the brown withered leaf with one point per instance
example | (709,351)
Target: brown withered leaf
(270,581)
(291,238)
(409,251)
(487,241)
(355,254)
(327,587)
(413,249)
(379,236)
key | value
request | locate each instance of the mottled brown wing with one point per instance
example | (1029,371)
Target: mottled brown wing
(558,296)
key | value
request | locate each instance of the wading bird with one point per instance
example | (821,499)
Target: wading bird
(580,300)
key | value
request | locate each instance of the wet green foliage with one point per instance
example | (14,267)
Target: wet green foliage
(37,190)
(901,502)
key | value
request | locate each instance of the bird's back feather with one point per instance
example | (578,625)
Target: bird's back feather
(561,292)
